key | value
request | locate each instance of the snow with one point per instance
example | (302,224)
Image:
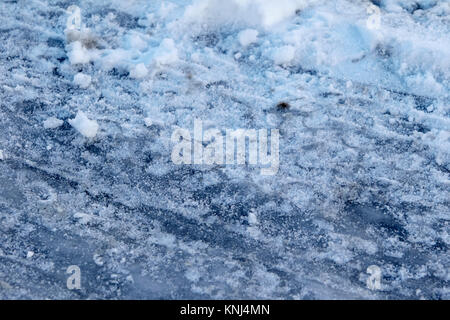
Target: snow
(139,71)
(83,218)
(247,37)
(363,157)
(79,54)
(84,125)
(167,53)
(261,13)
(52,123)
(284,55)
(82,80)
(148,122)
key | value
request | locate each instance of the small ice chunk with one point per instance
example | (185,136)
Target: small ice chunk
(284,55)
(30,254)
(136,41)
(139,71)
(148,122)
(2,157)
(52,123)
(83,218)
(252,218)
(167,53)
(84,125)
(247,37)
(79,54)
(114,58)
(82,80)
(153,121)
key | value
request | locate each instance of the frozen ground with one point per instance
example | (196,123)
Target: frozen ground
(86,177)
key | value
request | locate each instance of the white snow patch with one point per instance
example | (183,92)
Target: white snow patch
(166,8)
(83,218)
(440,141)
(284,55)
(52,123)
(252,218)
(82,80)
(247,37)
(84,125)
(148,122)
(425,84)
(79,54)
(139,71)
(138,41)
(114,58)
(154,120)
(167,53)
(257,13)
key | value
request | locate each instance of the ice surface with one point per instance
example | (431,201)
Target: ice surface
(364,148)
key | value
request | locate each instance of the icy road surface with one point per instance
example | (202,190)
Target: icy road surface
(89,99)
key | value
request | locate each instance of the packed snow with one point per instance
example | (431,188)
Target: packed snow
(52,123)
(82,80)
(92,91)
(84,125)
